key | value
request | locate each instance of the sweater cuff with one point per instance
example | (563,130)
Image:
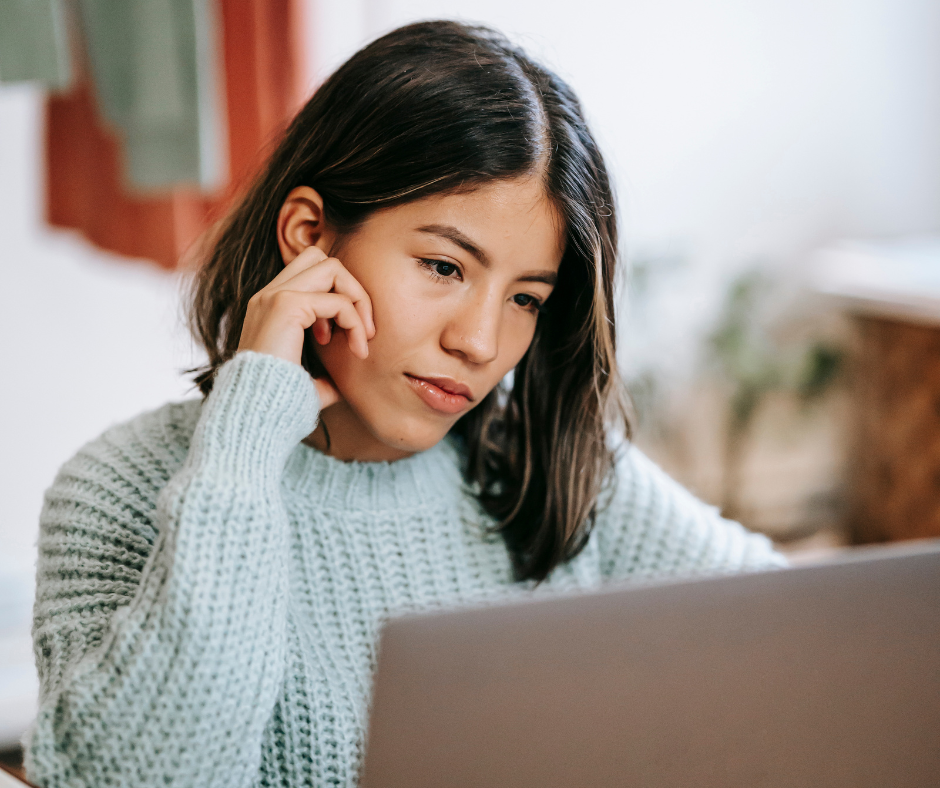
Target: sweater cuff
(259,409)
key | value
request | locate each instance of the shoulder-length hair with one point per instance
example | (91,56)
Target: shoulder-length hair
(433,108)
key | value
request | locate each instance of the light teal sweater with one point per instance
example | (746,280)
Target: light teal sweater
(210,589)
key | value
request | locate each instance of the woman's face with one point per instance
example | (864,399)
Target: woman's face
(456,282)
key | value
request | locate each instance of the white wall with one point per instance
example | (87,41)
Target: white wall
(86,339)
(729,121)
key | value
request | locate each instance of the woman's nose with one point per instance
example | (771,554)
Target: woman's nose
(473,331)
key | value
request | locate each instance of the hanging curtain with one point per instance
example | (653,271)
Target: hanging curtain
(153,65)
(33,42)
(171,110)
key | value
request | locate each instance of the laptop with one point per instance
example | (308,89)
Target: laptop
(825,675)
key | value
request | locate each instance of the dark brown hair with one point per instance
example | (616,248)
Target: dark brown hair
(439,107)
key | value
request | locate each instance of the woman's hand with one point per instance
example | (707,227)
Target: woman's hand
(312,290)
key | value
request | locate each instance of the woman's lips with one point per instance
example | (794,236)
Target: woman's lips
(441,394)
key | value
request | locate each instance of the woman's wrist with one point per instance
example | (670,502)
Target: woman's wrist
(259,409)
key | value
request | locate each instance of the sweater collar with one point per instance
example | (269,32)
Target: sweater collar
(428,477)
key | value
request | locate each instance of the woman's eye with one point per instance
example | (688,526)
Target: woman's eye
(527,302)
(441,268)
(445,269)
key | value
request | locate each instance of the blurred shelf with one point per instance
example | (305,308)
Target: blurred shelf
(894,279)
(892,289)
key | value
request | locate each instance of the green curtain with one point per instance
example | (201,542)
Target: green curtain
(153,64)
(34,42)
(153,67)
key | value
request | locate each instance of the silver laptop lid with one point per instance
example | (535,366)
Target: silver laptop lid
(826,675)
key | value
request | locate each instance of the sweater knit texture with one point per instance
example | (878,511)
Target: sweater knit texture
(210,589)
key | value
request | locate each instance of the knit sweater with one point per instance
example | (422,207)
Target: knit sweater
(210,589)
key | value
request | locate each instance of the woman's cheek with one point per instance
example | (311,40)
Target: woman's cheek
(408,310)
(516,338)
(338,359)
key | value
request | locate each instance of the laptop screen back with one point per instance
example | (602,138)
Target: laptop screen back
(826,675)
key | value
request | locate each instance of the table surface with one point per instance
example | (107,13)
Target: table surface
(10,780)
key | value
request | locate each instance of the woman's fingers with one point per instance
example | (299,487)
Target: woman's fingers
(343,312)
(322,331)
(314,308)
(312,292)
(330,275)
(345,283)
(308,258)
(277,320)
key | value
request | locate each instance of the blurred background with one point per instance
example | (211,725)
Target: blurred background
(778,170)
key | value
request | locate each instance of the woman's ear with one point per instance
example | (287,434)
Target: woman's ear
(301,223)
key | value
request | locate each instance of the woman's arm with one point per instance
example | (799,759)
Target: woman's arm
(651,526)
(174,688)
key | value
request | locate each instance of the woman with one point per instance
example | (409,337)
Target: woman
(212,575)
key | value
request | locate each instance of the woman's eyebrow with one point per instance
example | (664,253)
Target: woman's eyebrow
(452,234)
(548,277)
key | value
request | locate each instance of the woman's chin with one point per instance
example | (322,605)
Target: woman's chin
(413,441)
(378,427)
(409,435)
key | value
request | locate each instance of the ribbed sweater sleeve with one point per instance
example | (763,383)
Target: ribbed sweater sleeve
(175,686)
(651,526)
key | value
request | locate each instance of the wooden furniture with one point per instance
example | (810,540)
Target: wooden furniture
(892,290)
(13,777)
(896,462)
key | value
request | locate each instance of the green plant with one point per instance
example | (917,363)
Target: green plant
(755,349)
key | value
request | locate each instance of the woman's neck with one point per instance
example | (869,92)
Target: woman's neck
(340,433)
